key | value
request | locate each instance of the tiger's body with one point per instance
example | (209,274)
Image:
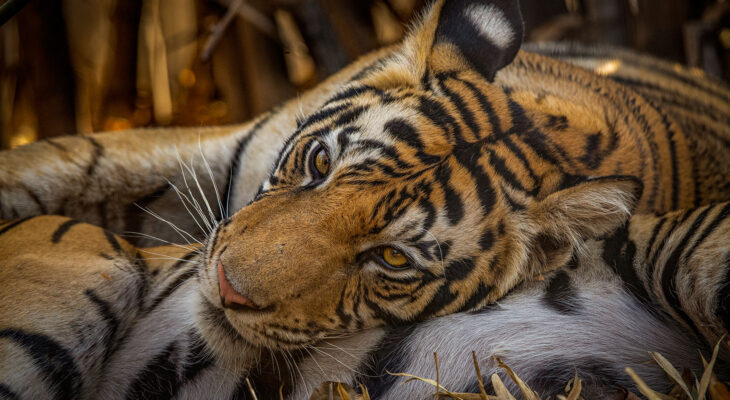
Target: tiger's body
(459,167)
(135,329)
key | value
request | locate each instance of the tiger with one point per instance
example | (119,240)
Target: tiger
(483,156)
(86,314)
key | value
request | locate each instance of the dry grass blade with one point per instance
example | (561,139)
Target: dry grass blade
(250,389)
(436,360)
(645,389)
(707,375)
(364,391)
(577,384)
(342,392)
(442,390)
(500,390)
(418,378)
(671,371)
(527,393)
(478,371)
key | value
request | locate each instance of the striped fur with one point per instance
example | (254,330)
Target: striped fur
(483,165)
(127,322)
(478,184)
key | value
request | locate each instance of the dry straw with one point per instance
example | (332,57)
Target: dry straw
(708,387)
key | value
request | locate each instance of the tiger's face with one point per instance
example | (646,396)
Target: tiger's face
(385,206)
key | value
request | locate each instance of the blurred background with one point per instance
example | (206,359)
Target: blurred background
(77,66)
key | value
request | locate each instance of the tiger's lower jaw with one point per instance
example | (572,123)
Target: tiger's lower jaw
(228,341)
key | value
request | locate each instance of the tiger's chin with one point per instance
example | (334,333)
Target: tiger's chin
(228,336)
(222,338)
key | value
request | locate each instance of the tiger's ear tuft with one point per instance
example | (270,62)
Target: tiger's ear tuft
(589,210)
(487,33)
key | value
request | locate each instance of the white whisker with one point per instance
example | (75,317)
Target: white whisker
(181,232)
(336,359)
(145,235)
(194,201)
(183,198)
(212,179)
(166,257)
(342,350)
(228,193)
(194,174)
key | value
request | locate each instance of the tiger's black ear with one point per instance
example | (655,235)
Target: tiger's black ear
(456,35)
(487,33)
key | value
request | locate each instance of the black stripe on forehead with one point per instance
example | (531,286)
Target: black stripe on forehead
(351,92)
(401,130)
(389,152)
(323,114)
(285,150)
(439,116)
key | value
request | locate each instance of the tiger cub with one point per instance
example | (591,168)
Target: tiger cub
(85,314)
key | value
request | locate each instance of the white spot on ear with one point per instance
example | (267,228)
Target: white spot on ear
(491,23)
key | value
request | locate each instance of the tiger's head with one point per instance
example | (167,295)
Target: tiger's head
(403,198)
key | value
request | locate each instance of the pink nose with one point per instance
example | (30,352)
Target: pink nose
(230,298)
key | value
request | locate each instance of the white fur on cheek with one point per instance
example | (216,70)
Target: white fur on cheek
(491,23)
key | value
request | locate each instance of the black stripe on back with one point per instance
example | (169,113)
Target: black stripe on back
(13,225)
(6,393)
(619,252)
(653,238)
(96,154)
(388,356)
(112,239)
(111,320)
(723,298)
(670,272)
(55,144)
(561,296)
(53,360)
(62,230)
(198,359)
(179,281)
(33,195)
(721,216)
(159,379)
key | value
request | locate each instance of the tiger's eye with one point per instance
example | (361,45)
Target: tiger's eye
(322,162)
(394,257)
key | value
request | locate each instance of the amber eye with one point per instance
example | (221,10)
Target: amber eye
(320,163)
(394,257)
